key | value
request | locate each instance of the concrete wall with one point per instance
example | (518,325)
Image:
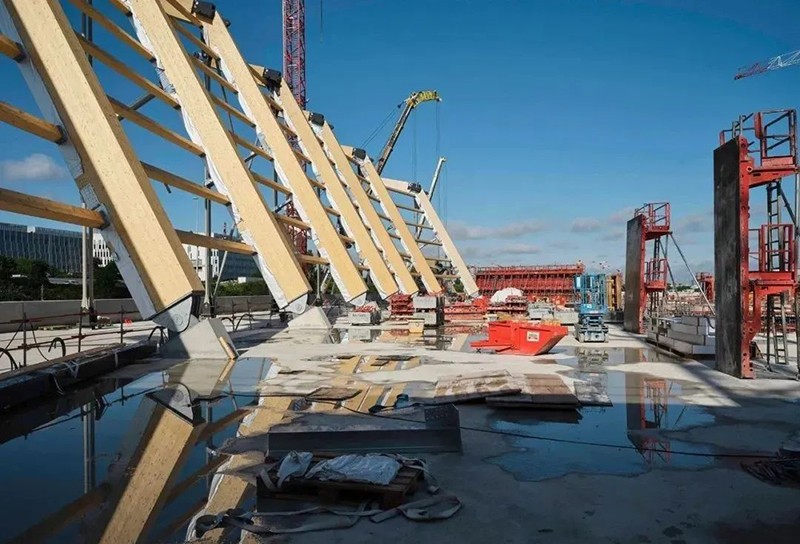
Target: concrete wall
(63,312)
(633,275)
(728,271)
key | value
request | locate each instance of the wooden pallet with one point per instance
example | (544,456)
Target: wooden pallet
(396,493)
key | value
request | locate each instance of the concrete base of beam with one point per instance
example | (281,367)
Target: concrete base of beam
(313,318)
(208,339)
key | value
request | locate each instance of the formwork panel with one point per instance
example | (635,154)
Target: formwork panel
(728,263)
(633,275)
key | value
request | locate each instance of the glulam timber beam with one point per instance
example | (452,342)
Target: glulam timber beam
(111,27)
(126,112)
(45,208)
(10,48)
(429,213)
(257,225)
(287,164)
(173,180)
(30,123)
(382,238)
(337,194)
(231,246)
(406,238)
(105,167)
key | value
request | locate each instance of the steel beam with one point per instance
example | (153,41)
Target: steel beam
(111,179)
(259,228)
(290,170)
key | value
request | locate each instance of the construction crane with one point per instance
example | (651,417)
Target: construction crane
(775,63)
(294,48)
(414,99)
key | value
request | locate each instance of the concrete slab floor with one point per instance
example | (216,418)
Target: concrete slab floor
(662,464)
(665,466)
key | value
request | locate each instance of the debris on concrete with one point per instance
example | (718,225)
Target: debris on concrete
(538,391)
(332,393)
(468,387)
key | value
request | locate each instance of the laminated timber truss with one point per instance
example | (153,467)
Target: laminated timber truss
(425,221)
(236,118)
(755,268)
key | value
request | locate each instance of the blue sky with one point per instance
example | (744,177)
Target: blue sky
(558,117)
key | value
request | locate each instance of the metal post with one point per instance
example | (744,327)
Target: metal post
(208,297)
(89,465)
(797,267)
(87,233)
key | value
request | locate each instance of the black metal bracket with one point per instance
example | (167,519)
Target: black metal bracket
(207,10)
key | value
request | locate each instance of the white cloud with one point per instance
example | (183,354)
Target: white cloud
(34,167)
(463,231)
(622,215)
(585,224)
(520,249)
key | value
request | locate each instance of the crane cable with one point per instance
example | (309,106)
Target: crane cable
(374,133)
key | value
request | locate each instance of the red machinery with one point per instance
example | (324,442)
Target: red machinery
(466,310)
(740,166)
(401,306)
(646,278)
(552,282)
(706,282)
(521,337)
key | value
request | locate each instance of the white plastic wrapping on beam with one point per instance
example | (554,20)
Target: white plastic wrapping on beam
(247,110)
(41,96)
(375,238)
(298,305)
(338,205)
(383,206)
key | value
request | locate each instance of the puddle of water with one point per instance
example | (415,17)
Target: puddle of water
(127,454)
(643,407)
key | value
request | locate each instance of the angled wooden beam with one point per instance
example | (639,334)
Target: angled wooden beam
(10,48)
(259,228)
(125,112)
(326,238)
(112,27)
(173,180)
(367,211)
(35,206)
(194,239)
(110,177)
(387,205)
(337,194)
(450,248)
(30,123)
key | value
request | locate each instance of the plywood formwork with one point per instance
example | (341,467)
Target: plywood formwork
(257,225)
(428,214)
(364,201)
(407,240)
(273,137)
(110,178)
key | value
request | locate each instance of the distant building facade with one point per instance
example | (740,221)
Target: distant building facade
(61,249)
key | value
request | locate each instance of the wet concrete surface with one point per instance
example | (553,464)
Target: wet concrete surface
(659,465)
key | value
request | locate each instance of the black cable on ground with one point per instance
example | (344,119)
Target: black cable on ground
(523,435)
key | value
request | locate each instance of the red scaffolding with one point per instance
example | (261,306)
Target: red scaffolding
(767,272)
(551,283)
(647,264)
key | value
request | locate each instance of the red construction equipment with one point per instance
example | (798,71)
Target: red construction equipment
(401,306)
(706,281)
(466,310)
(521,337)
(555,283)
(747,289)
(650,223)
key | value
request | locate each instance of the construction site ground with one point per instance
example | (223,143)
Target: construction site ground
(662,464)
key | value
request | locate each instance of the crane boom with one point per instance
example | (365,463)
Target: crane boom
(414,99)
(775,63)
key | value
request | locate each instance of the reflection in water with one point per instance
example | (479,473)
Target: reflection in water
(642,408)
(132,464)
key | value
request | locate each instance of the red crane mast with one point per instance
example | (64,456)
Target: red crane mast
(294,48)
